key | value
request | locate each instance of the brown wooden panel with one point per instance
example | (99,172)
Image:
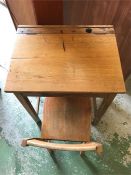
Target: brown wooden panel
(116,12)
(91,12)
(67,118)
(36,11)
(22,11)
(49,11)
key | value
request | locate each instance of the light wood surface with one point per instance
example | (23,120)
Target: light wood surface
(65,63)
(66,118)
(65,147)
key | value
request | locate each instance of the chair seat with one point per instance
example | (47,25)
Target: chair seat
(67,118)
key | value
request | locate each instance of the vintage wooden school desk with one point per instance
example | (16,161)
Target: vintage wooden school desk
(68,65)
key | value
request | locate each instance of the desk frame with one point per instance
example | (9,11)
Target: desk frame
(107,97)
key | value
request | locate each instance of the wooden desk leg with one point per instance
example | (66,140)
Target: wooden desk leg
(29,108)
(107,100)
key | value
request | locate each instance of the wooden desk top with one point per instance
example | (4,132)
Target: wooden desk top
(65,59)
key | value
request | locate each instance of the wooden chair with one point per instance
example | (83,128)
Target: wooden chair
(66,119)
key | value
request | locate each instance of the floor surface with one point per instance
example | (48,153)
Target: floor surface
(114,131)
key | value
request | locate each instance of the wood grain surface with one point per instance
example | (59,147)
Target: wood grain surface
(67,118)
(61,63)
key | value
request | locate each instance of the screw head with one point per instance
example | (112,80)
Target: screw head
(88,30)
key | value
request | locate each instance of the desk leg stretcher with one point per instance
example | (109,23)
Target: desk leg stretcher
(91,146)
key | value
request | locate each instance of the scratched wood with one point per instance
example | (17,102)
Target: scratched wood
(56,29)
(65,63)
